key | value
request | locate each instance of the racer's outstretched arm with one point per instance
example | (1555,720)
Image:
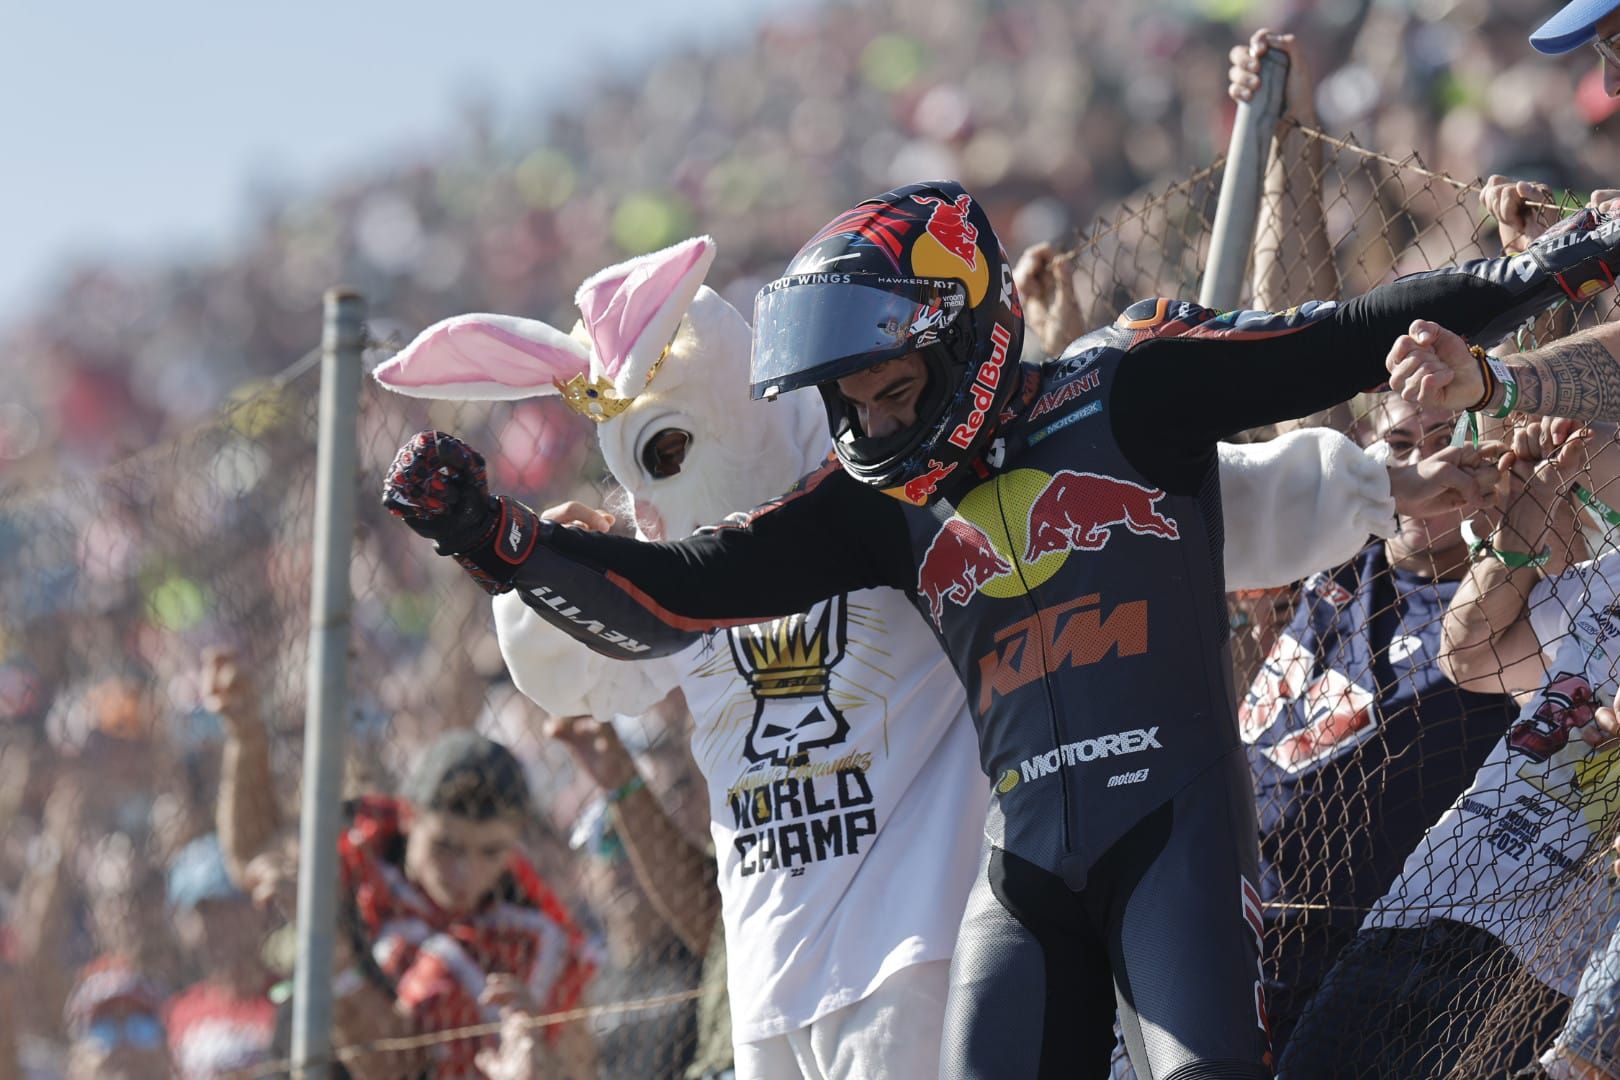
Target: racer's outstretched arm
(1194,383)
(631,599)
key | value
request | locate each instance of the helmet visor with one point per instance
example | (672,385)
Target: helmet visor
(809,329)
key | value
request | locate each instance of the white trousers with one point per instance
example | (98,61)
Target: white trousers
(892,1032)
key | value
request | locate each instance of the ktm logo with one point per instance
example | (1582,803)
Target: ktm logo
(1072,634)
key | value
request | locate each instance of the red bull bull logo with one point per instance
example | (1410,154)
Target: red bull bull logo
(917,490)
(1011,534)
(949,225)
(1078,510)
(959,562)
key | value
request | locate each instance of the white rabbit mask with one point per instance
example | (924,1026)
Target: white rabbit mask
(660,361)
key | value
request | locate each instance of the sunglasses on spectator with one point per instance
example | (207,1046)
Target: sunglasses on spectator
(139,1030)
(1606,47)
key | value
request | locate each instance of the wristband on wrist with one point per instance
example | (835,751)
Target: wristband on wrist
(625,790)
(1604,512)
(1510,388)
(1513,560)
(1486,375)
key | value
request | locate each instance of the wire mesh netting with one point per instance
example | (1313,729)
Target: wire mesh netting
(1434,831)
(156,617)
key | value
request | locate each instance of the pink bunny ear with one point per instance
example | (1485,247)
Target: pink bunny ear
(632,310)
(484,358)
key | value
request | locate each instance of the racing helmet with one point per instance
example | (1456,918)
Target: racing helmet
(916,269)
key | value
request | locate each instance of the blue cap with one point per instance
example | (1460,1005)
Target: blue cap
(198,873)
(1575,25)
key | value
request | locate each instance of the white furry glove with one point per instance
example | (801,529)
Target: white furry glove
(1298,504)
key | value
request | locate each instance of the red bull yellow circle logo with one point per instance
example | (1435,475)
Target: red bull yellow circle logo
(1011,534)
(949,246)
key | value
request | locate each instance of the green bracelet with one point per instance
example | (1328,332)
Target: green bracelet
(1510,389)
(1513,560)
(1603,510)
(625,790)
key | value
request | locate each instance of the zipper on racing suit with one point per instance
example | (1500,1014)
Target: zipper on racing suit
(1046,674)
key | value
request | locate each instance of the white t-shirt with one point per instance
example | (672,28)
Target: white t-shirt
(1508,856)
(846,800)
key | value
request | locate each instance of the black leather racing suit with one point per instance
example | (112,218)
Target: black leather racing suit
(1075,580)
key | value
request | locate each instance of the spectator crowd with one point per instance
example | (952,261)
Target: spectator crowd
(498,862)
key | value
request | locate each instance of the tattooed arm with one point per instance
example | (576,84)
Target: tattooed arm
(1577,377)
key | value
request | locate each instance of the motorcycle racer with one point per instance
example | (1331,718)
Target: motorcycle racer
(816,938)
(991,494)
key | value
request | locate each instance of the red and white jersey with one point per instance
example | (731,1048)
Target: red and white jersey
(438,961)
(212,1032)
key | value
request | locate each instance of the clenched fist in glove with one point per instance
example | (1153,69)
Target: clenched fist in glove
(437,486)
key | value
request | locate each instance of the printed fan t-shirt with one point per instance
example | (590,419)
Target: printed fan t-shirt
(846,799)
(1356,740)
(1507,857)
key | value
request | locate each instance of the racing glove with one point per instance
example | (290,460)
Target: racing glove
(437,486)
(1574,260)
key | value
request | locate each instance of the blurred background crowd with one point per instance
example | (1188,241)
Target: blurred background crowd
(156,468)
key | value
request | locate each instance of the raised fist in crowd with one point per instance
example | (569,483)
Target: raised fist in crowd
(1243,74)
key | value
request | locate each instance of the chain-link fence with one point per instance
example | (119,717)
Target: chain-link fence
(155,620)
(156,617)
(1448,810)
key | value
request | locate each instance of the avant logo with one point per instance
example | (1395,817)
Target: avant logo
(1080,635)
(788,664)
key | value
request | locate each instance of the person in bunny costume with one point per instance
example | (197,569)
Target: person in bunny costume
(841,762)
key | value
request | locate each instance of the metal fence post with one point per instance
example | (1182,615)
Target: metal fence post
(1241,183)
(327,705)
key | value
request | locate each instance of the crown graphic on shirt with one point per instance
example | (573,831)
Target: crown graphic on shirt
(789,657)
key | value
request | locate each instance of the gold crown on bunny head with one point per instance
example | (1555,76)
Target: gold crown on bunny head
(596,399)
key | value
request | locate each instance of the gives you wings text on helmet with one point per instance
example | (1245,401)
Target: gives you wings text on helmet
(915,270)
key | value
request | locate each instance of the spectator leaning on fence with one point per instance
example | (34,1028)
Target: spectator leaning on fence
(1496,891)
(676,875)
(447,923)
(1355,737)
(1577,376)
